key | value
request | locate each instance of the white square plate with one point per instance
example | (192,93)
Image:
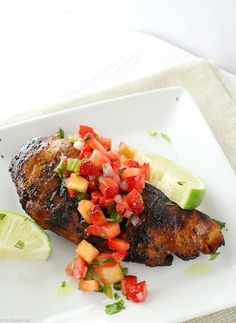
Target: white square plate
(28,289)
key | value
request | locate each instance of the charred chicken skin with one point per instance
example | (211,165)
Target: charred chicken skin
(165,229)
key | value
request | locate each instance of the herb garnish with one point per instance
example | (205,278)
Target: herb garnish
(213,256)
(116,296)
(115,307)
(165,136)
(20,244)
(181,182)
(100,262)
(60,133)
(117,286)
(2,216)
(125,271)
(72,164)
(63,284)
(73,139)
(220,224)
(152,133)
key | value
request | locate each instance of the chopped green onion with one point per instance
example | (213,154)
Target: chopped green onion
(213,256)
(115,307)
(166,137)
(125,271)
(108,290)
(117,286)
(220,224)
(73,139)
(60,133)
(83,160)
(61,167)
(181,182)
(100,262)
(116,296)
(20,244)
(89,274)
(72,165)
(114,217)
(63,284)
(153,133)
(2,216)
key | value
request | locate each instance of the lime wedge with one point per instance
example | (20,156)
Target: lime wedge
(177,183)
(21,237)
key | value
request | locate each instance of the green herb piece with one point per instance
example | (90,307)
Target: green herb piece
(108,290)
(152,133)
(60,133)
(100,289)
(117,286)
(177,98)
(213,256)
(99,179)
(73,139)
(125,271)
(20,244)
(82,196)
(89,274)
(87,137)
(72,165)
(181,182)
(63,284)
(2,216)
(61,167)
(220,224)
(83,160)
(166,137)
(115,217)
(100,262)
(115,307)
(116,296)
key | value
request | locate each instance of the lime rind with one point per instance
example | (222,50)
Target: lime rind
(177,183)
(15,228)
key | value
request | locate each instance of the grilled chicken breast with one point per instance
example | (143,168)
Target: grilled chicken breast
(165,229)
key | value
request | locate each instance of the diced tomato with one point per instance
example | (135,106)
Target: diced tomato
(138,292)
(69,269)
(86,152)
(136,182)
(108,187)
(115,164)
(71,193)
(128,282)
(106,231)
(95,144)
(99,199)
(118,244)
(135,201)
(98,158)
(118,256)
(106,142)
(83,130)
(132,171)
(131,163)
(113,155)
(88,168)
(122,206)
(93,186)
(146,168)
(97,216)
(80,267)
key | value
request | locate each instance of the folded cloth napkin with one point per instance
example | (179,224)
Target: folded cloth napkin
(204,81)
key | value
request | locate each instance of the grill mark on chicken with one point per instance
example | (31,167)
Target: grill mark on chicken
(165,228)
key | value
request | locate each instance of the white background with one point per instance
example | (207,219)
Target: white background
(44,45)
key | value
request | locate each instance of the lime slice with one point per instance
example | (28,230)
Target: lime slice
(177,183)
(21,237)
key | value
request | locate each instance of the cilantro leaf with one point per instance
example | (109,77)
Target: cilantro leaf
(152,133)
(20,244)
(117,286)
(213,256)
(220,224)
(63,284)
(115,307)
(181,182)
(60,133)
(2,216)
(125,271)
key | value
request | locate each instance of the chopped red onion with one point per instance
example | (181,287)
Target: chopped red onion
(118,198)
(107,169)
(127,214)
(78,145)
(135,220)
(124,185)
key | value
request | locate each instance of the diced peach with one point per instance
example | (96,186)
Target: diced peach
(109,274)
(126,150)
(84,206)
(89,285)
(87,251)
(76,183)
